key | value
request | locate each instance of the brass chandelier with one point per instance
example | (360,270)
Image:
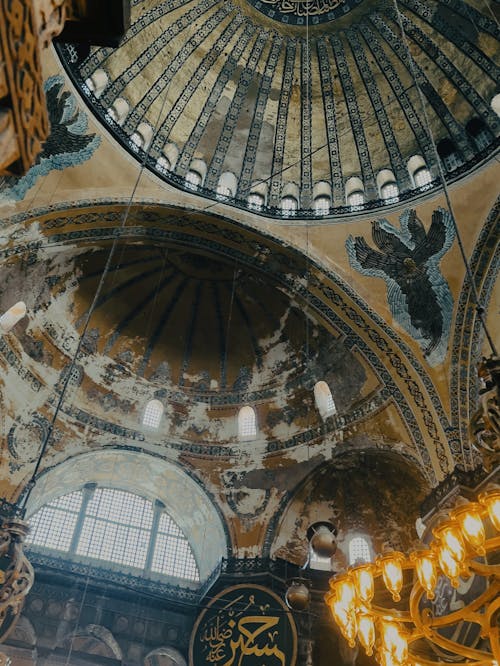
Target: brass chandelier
(366,601)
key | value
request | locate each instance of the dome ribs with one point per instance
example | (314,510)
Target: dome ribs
(224,77)
(325,67)
(252,144)
(200,73)
(281,124)
(454,129)
(412,115)
(174,66)
(355,117)
(396,159)
(233,114)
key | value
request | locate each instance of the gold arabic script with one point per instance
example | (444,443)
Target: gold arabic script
(304,7)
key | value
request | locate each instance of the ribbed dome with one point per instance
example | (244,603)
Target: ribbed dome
(247,103)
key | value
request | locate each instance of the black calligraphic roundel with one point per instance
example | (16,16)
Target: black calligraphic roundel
(244,625)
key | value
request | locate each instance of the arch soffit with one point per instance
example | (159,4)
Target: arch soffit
(151,477)
(334,301)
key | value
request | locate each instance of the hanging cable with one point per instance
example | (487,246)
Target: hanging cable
(116,239)
(475,295)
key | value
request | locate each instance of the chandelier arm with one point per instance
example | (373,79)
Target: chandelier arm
(381,612)
(491,625)
(457,648)
(467,612)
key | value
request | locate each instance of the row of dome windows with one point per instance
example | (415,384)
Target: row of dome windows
(290,200)
(247,417)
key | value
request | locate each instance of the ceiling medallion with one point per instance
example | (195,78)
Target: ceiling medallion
(295,12)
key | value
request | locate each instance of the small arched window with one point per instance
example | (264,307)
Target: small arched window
(422,177)
(495,104)
(118,111)
(256,200)
(193,179)
(247,423)
(289,205)
(389,191)
(322,205)
(479,132)
(356,198)
(10,318)
(142,136)
(152,414)
(227,185)
(450,157)
(359,551)
(354,192)
(163,164)
(97,82)
(324,400)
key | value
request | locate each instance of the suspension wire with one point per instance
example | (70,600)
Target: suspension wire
(475,295)
(116,239)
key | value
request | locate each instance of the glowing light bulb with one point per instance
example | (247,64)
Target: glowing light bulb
(491,500)
(449,565)
(469,519)
(343,589)
(363,581)
(426,566)
(366,633)
(394,642)
(391,565)
(452,539)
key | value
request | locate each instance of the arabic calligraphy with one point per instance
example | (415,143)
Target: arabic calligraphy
(245,630)
(304,7)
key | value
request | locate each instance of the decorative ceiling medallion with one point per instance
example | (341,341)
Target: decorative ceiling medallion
(295,12)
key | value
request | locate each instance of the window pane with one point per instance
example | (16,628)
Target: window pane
(152,414)
(389,191)
(356,199)
(53,525)
(359,550)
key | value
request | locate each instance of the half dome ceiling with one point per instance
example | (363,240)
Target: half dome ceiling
(224,89)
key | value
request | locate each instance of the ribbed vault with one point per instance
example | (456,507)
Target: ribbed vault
(222,89)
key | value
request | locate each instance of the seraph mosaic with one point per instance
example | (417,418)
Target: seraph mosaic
(408,260)
(67,145)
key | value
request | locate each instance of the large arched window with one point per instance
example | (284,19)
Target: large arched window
(359,550)
(111,525)
(247,423)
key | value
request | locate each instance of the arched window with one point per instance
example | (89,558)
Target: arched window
(256,200)
(116,526)
(163,164)
(359,550)
(495,104)
(118,111)
(324,400)
(479,132)
(97,82)
(247,423)
(142,136)
(152,414)
(422,177)
(193,179)
(389,191)
(289,205)
(322,205)
(354,192)
(10,318)
(227,185)
(450,157)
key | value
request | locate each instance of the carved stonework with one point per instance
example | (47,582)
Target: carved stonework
(20,58)
(50,16)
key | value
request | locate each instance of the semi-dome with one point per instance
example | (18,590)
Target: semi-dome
(276,105)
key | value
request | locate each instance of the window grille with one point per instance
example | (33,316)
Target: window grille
(193,179)
(53,525)
(359,550)
(322,205)
(255,200)
(172,554)
(324,399)
(389,191)
(152,414)
(289,205)
(356,198)
(163,164)
(247,426)
(223,191)
(422,177)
